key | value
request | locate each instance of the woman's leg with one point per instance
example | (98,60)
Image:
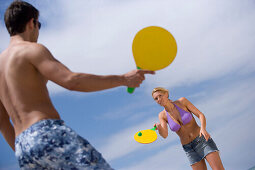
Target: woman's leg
(214,161)
(201,165)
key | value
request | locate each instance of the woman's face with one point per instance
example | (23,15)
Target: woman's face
(160,97)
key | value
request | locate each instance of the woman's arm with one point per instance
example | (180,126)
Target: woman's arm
(162,126)
(197,113)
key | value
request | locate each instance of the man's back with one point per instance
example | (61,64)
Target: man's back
(23,90)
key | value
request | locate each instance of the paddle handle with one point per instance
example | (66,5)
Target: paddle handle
(131,89)
(154,128)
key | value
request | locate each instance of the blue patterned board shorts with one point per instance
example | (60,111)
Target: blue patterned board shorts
(197,149)
(50,144)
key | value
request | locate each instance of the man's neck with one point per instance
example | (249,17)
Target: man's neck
(19,38)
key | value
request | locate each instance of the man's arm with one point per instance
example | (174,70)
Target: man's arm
(55,71)
(6,127)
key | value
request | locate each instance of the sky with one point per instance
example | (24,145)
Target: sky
(214,69)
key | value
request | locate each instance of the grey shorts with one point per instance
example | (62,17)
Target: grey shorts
(197,149)
(50,144)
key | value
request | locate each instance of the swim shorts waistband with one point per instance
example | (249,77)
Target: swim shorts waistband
(40,124)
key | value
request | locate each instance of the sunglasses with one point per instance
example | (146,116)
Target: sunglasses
(39,24)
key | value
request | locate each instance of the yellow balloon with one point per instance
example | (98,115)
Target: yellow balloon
(154,48)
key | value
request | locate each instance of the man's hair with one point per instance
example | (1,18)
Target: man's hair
(17,15)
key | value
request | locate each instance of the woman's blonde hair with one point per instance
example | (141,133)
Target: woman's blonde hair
(161,89)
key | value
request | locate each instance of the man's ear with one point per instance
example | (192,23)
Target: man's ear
(30,25)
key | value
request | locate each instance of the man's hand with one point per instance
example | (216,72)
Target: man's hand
(135,77)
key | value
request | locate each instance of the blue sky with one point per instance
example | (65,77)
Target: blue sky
(214,69)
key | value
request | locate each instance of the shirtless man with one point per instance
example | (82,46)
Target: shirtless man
(42,140)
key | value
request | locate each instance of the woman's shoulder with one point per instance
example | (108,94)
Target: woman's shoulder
(162,113)
(181,101)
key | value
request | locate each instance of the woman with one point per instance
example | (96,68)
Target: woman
(196,141)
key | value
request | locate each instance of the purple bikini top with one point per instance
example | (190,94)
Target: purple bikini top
(185,116)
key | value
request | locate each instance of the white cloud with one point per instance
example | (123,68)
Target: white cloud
(4,40)
(127,111)
(213,41)
(235,140)
(228,101)
(214,38)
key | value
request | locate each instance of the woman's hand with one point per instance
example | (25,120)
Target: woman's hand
(205,134)
(161,130)
(157,126)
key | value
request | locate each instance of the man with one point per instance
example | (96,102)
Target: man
(43,141)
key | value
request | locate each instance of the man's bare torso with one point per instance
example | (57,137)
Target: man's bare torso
(23,90)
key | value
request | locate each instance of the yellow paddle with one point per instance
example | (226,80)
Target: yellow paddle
(153,48)
(146,136)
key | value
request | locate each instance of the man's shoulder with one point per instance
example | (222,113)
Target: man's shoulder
(30,49)
(24,51)
(33,46)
